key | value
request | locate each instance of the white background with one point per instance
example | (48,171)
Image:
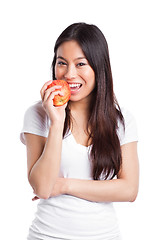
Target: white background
(28,33)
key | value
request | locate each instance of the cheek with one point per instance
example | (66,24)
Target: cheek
(89,73)
(58,73)
(90,76)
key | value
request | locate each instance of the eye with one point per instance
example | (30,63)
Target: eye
(81,64)
(60,63)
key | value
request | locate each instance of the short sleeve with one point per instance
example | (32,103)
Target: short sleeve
(35,122)
(130,134)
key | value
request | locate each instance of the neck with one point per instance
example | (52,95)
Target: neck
(79,107)
(83,106)
(80,114)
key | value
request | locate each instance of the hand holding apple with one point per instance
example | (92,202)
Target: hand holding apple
(60,100)
(55,95)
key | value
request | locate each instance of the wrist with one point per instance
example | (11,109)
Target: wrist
(56,126)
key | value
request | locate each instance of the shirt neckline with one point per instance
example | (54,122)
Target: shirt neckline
(74,140)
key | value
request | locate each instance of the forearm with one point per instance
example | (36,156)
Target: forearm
(116,190)
(45,171)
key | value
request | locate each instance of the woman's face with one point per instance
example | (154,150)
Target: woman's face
(73,67)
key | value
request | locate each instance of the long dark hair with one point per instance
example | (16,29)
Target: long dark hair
(105,111)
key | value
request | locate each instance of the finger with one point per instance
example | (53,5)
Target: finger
(52,95)
(44,88)
(63,106)
(49,91)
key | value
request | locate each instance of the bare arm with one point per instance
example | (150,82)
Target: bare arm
(43,155)
(125,188)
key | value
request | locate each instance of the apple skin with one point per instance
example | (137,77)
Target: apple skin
(65,89)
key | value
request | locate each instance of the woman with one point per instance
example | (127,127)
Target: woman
(81,156)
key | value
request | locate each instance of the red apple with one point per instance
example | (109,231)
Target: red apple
(65,89)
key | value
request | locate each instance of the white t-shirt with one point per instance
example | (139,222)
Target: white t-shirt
(67,217)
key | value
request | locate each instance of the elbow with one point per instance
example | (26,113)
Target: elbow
(40,190)
(133,198)
(42,194)
(132,195)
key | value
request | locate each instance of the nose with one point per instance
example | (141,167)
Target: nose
(70,72)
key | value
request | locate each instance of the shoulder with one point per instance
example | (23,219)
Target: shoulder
(36,115)
(35,121)
(128,133)
(35,110)
(127,114)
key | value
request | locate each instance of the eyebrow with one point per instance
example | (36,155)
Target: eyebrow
(74,59)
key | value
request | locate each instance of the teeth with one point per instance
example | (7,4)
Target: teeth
(72,85)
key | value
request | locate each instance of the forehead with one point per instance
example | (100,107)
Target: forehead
(70,49)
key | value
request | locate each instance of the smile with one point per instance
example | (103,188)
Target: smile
(75,87)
